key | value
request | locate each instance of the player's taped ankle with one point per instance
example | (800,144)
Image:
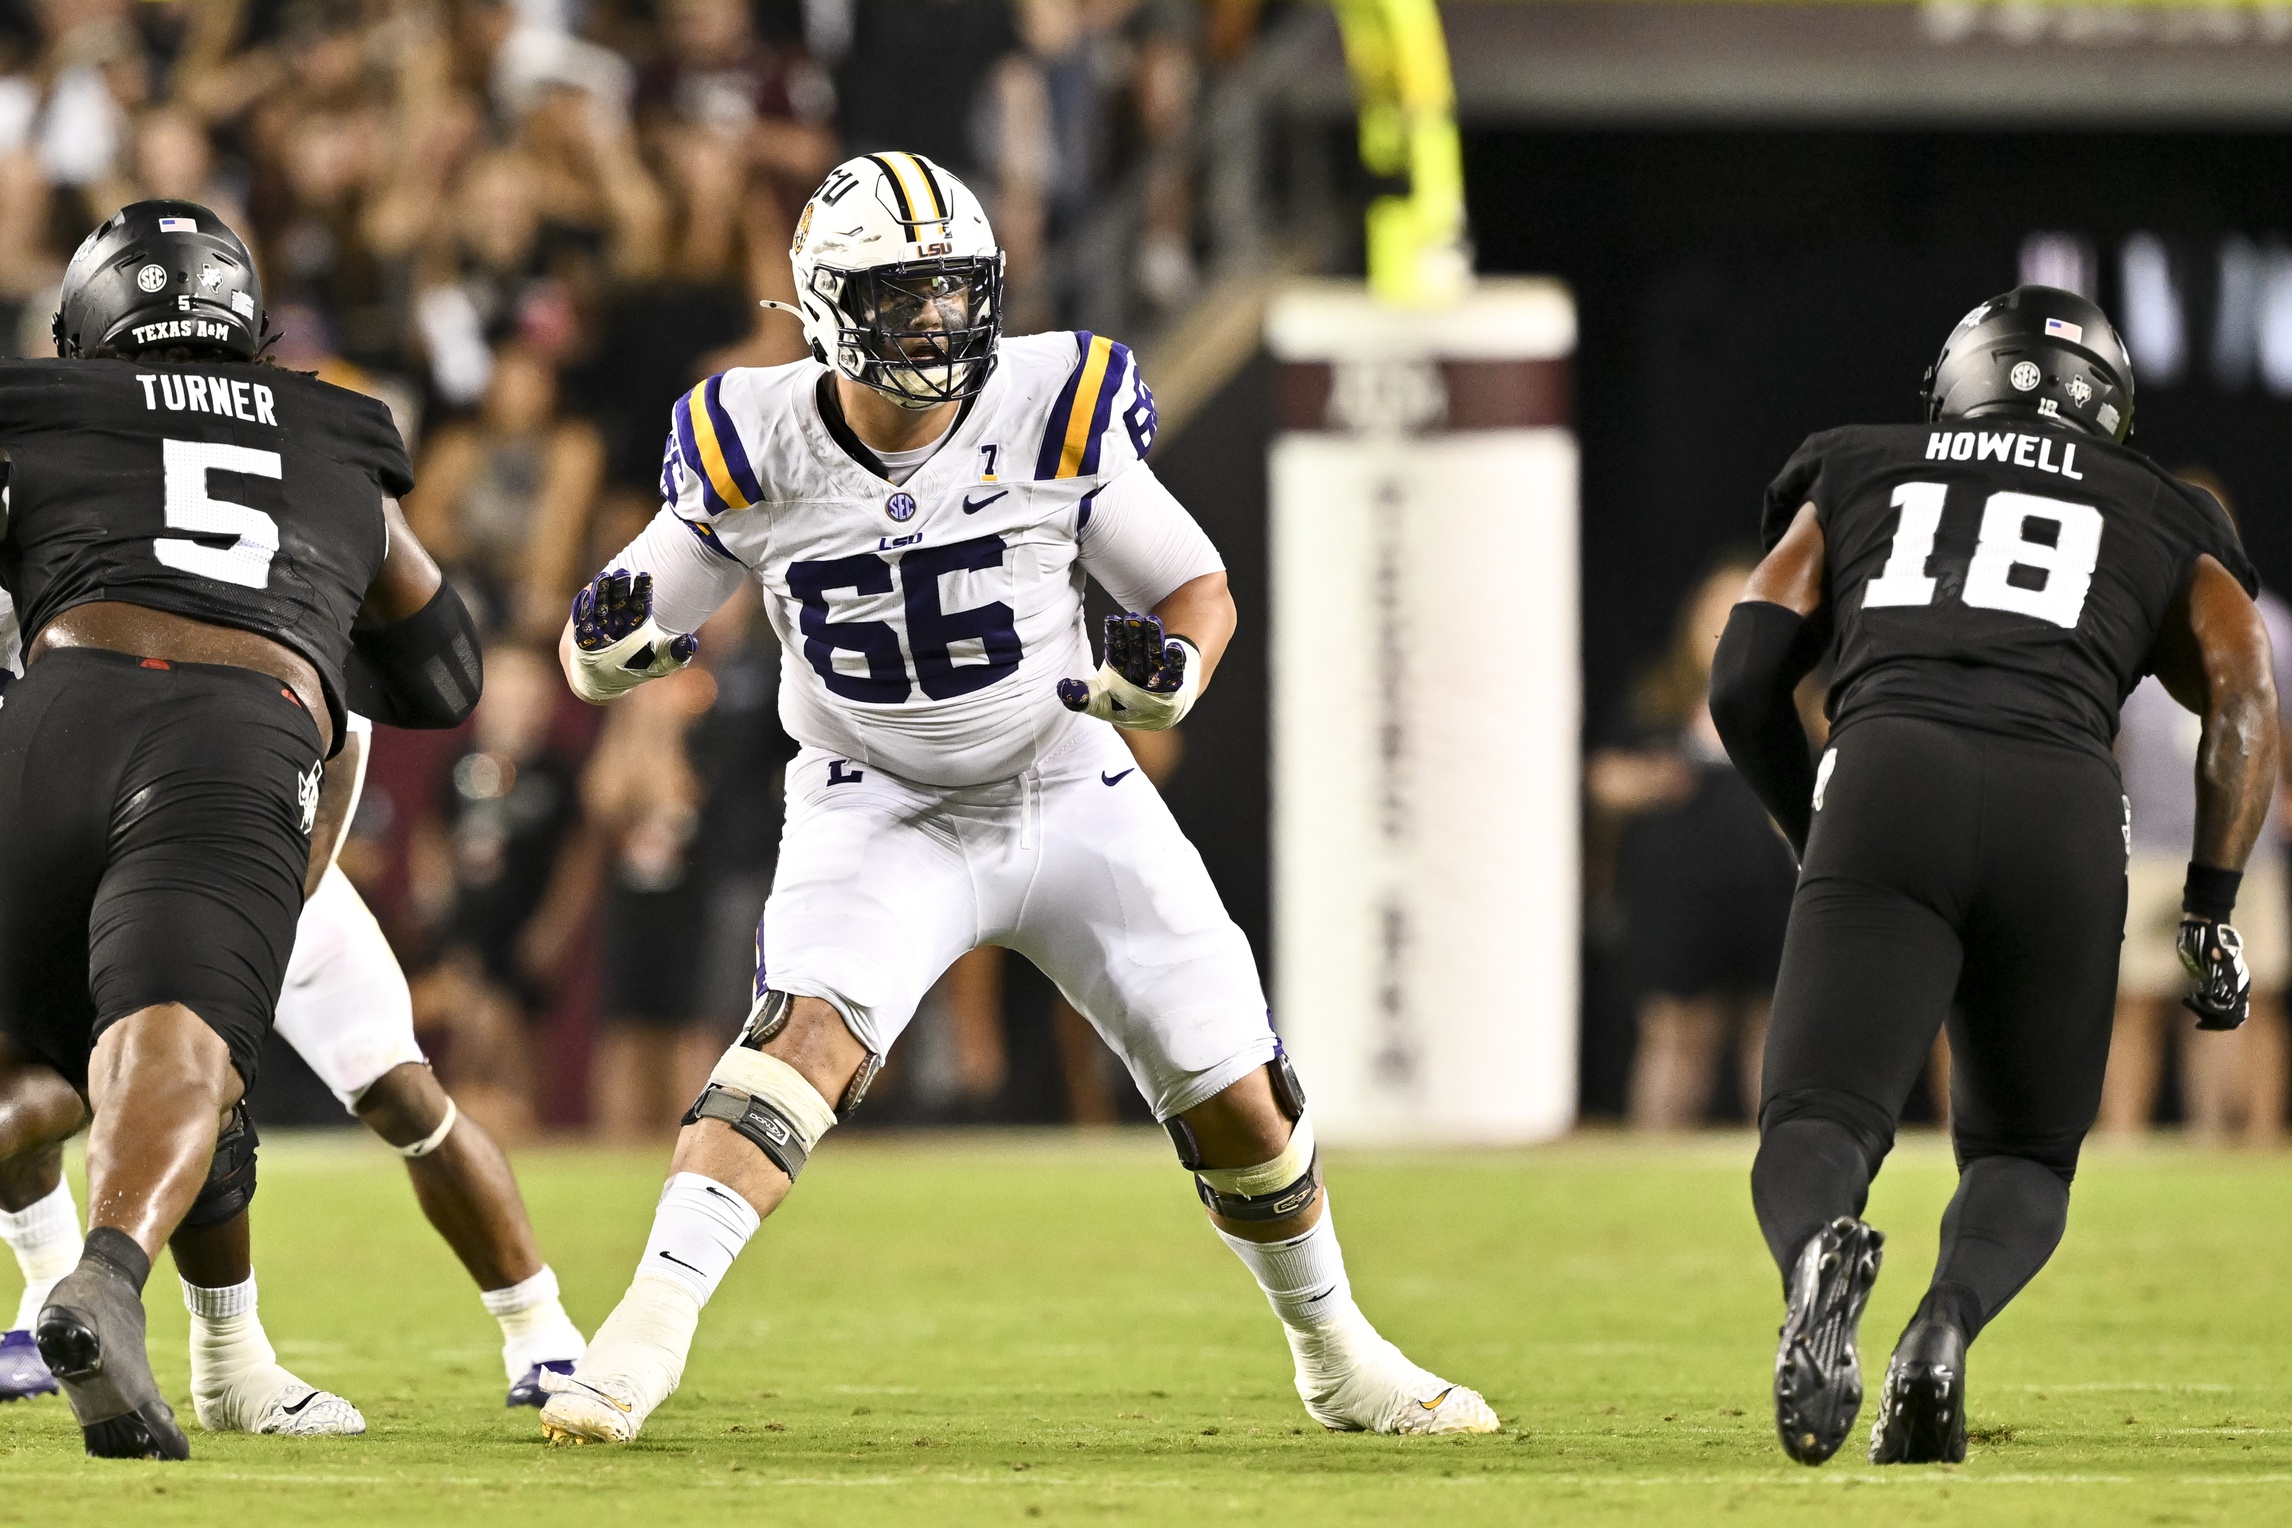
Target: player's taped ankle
(769,1103)
(437,1137)
(230,1185)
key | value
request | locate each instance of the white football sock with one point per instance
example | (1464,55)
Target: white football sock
(1304,1281)
(46,1240)
(1304,1277)
(698,1229)
(534,1326)
(234,1369)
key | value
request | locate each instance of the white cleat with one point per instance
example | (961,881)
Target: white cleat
(270,1400)
(1376,1389)
(633,1364)
(577,1411)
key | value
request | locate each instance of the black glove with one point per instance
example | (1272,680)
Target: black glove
(2213,954)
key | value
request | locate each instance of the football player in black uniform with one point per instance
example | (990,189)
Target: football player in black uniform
(207,557)
(1988,587)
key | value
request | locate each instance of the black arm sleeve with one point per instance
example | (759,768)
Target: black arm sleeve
(1764,653)
(425,671)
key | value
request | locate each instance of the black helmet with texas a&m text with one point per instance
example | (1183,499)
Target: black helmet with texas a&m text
(164,276)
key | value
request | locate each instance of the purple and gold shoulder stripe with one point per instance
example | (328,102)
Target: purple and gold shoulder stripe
(1078,420)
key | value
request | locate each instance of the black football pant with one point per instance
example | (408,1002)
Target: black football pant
(1951,876)
(154,829)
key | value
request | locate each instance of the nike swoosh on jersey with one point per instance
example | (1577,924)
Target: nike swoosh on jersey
(1107,779)
(971,508)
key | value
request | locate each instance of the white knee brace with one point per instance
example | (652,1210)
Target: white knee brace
(771,1104)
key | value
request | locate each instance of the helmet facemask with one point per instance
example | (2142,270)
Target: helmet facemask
(921,332)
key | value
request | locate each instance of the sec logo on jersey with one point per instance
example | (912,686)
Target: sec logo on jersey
(901,507)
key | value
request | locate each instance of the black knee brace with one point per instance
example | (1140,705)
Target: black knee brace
(757,1122)
(768,1018)
(1278,1202)
(2056,1153)
(230,1185)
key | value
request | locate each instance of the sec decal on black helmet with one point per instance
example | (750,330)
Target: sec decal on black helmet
(2036,352)
(161,275)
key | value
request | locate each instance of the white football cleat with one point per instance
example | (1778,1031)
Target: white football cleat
(578,1411)
(1376,1389)
(633,1364)
(270,1400)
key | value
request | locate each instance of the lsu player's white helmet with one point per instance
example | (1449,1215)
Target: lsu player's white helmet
(899,279)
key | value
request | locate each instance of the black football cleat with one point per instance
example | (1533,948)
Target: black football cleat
(1818,1373)
(1922,1410)
(90,1335)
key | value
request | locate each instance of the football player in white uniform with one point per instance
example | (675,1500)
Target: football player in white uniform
(920,503)
(346,1010)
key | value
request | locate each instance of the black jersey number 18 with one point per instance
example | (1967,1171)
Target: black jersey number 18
(2010,570)
(192,509)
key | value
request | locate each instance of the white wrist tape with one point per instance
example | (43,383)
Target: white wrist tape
(1115,699)
(614,671)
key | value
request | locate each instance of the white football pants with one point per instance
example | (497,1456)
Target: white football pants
(1076,864)
(344,1007)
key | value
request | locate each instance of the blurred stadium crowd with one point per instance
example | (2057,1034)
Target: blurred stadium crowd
(527,226)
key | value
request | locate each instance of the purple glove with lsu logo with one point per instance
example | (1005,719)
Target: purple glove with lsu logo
(616,644)
(1148,681)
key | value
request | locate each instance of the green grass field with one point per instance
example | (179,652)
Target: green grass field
(1013,1329)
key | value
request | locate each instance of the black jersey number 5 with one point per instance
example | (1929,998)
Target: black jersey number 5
(2011,569)
(191,508)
